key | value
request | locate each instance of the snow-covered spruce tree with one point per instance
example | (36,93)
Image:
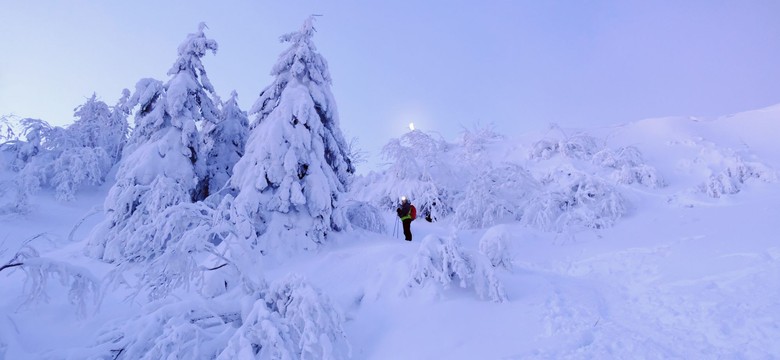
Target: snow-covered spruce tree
(222,145)
(296,165)
(158,163)
(500,194)
(443,261)
(416,170)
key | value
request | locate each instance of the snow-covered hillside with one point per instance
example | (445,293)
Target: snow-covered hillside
(648,240)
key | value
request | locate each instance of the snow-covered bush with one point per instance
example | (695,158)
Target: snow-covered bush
(572,199)
(443,261)
(172,329)
(222,144)
(498,195)
(364,216)
(288,320)
(495,245)
(735,173)
(158,163)
(578,146)
(629,167)
(134,213)
(295,168)
(312,326)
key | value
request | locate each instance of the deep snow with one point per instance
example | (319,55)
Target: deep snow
(681,275)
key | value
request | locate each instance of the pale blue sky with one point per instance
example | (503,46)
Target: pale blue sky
(442,64)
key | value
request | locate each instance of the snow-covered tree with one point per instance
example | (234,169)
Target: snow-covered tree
(474,145)
(9,129)
(114,131)
(364,216)
(495,245)
(222,145)
(442,260)
(290,319)
(499,194)
(83,287)
(65,159)
(416,170)
(578,146)
(296,165)
(572,200)
(34,130)
(629,167)
(731,174)
(91,117)
(158,163)
(296,321)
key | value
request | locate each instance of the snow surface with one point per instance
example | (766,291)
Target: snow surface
(689,270)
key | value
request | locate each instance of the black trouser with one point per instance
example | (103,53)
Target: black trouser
(407,229)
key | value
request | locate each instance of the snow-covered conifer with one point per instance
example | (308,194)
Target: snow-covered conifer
(158,163)
(222,145)
(296,166)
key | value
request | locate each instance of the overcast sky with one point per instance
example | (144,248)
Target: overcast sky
(443,65)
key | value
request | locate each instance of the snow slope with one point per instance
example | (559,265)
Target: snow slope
(682,275)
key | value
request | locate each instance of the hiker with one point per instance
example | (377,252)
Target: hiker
(407,213)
